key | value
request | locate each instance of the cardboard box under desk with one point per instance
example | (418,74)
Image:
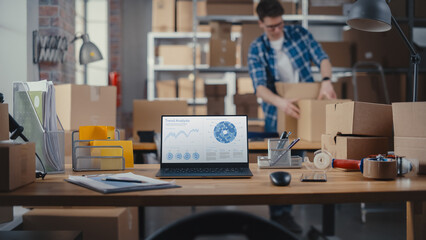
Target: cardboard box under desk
(359,118)
(17,165)
(147,114)
(311,123)
(95,223)
(215,106)
(241,7)
(353,147)
(83,105)
(412,148)
(409,119)
(163,15)
(4,121)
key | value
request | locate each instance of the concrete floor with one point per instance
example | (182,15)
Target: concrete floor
(383,221)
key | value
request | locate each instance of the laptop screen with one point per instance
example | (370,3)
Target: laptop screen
(204,139)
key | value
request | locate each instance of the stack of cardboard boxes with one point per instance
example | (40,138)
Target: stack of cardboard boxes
(222,48)
(355,130)
(410,131)
(83,105)
(215,94)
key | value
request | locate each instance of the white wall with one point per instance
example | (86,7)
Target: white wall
(18,19)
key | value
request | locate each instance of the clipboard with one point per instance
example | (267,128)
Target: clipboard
(41,124)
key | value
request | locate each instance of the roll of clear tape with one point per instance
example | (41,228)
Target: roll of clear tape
(322,160)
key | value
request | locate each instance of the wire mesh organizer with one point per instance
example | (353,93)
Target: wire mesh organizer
(279,155)
(86,157)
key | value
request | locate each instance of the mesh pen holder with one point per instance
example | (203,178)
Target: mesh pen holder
(279,156)
(96,158)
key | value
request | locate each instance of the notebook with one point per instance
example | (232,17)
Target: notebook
(204,147)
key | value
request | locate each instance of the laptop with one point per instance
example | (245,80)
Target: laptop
(204,147)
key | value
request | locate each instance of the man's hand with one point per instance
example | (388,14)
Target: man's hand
(326,90)
(288,107)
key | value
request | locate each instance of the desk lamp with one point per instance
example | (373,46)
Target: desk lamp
(375,16)
(88,51)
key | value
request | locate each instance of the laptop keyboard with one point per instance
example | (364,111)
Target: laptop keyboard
(206,171)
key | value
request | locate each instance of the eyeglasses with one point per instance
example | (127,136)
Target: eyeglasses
(272,27)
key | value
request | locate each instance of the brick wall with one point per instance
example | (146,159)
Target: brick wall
(57,17)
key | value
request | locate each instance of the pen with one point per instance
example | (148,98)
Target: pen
(122,180)
(285,151)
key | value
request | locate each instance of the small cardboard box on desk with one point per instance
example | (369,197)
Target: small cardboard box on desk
(95,223)
(17,165)
(410,131)
(355,130)
(4,121)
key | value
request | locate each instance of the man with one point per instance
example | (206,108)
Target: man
(284,54)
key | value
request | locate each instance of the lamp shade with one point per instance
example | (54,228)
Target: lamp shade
(370,16)
(89,52)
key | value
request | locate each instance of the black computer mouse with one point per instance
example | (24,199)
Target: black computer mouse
(280,178)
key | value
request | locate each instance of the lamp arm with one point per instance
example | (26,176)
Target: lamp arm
(401,33)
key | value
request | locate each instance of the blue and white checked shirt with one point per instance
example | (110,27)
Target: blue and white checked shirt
(300,47)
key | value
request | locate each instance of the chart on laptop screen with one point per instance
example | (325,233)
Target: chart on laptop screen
(190,139)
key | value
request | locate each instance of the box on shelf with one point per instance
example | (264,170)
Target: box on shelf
(17,165)
(177,55)
(4,121)
(359,118)
(83,105)
(353,147)
(220,30)
(95,223)
(215,90)
(326,10)
(224,7)
(340,53)
(199,110)
(215,105)
(166,88)
(290,7)
(409,119)
(244,85)
(186,87)
(222,53)
(311,123)
(184,14)
(370,87)
(412,148)
(249,32)
(163,15)
(246,104)
(147,114)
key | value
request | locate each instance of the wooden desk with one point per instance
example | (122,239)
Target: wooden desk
(342,187)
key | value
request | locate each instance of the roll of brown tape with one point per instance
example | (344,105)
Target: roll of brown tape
(379,169)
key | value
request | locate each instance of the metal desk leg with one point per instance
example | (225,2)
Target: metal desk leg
(328,218)
(141,211)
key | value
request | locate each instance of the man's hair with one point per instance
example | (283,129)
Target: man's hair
(269,8)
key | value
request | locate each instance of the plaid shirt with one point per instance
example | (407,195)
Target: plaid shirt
(300,47)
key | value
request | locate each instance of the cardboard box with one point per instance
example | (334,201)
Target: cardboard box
(199,110)
(97,223)
(353,147)
(215,90)
(163,15)
(256,126)
(184,14)
(370,87)
(245,85)
(249,32)
(311,123)
(409,119)
(83,105)
(222,53)
(166,88)
(218,7)
(17,165)
(186,88)
(220,30)
(340,53)
(177,55)
(412,148)
(359,118)
(6,214)
(326,10)
(215,106)
(290,7)
(246,105)
(147,114)
(4,121)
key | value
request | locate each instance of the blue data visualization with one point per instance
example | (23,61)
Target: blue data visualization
(225,132)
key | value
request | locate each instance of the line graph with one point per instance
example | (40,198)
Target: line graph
(176,135)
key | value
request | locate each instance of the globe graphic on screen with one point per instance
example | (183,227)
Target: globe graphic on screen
(225,132)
